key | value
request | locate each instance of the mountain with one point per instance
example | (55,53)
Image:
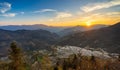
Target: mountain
(78,28)
(107,38)
(61,31)
(27,39)
(32,27)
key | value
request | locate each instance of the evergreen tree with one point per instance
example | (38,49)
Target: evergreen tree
(16,58)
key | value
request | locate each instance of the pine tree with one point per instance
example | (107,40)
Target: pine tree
(15,55)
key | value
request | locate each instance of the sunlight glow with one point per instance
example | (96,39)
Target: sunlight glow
(88,24)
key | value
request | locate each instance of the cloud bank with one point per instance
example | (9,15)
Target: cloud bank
(8,15)
(97,6)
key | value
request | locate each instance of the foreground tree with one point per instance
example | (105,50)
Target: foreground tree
(16,57)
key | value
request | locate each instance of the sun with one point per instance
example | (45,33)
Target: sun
(88,24)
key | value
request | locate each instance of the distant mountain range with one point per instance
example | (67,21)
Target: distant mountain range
(32,27)
(107,38)
(62,31)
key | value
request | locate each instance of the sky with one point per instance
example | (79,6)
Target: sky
(59,12)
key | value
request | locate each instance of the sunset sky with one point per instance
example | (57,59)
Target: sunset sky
(59,12)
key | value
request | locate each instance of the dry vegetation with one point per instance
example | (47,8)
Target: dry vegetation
(45,62)
(76,62)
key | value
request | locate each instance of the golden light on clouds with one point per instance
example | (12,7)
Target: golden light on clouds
(69,19)
(86,19)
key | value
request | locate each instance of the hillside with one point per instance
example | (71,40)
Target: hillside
(27,39)
(107,38)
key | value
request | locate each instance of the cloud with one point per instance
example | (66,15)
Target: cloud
(113,13)
(63,15)
(22,13)
(45,10)
(4,7)
(97,6)
(9,15)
